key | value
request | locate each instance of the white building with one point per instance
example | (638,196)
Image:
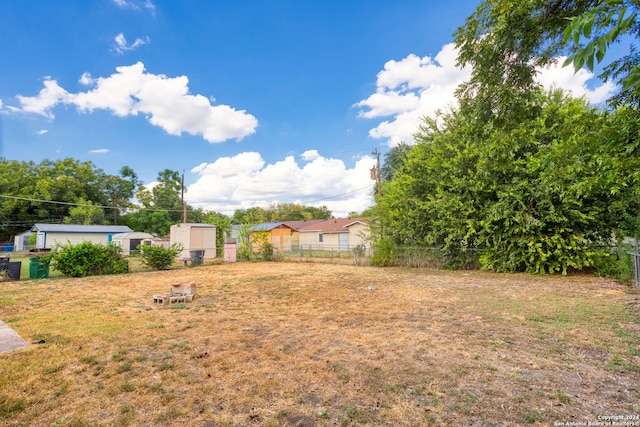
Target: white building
(194,237)
(48,235)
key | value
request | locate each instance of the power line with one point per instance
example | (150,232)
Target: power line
(28,199)
(55,202)
(347,151)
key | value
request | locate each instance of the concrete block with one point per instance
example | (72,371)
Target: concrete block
(161,299)
(183,289)
(174,299)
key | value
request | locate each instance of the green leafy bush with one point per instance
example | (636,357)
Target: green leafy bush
(88,259)
(158,257)
(616,264)
(383,253)
(267,251)
(244,242)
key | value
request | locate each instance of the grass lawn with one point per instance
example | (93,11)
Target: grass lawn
(304,344)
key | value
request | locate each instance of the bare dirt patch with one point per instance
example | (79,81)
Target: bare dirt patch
(285,344)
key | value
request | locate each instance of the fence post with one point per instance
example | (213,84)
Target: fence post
(636,268)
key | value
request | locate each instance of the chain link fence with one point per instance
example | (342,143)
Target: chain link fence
(636,268)
(415,257)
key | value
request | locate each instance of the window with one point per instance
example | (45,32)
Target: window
(319,237)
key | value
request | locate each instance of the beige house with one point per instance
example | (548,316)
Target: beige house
(48,235)
(341,234)
(295,230)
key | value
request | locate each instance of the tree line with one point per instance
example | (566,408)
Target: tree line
(528,179)
(69,191)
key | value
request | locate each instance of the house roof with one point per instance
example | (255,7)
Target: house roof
(296,225)
(333,225)
(268,226)
(75,228)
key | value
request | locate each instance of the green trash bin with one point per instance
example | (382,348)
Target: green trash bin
(38,269)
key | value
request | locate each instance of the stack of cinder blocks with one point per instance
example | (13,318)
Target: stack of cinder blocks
(180,292)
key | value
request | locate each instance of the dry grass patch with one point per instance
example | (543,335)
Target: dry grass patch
(283,344)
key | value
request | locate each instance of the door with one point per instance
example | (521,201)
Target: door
(344,242)
(133,244)
(40,241)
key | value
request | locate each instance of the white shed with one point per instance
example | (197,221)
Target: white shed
(194,237)
(21,241)
(129,241)
(48,235)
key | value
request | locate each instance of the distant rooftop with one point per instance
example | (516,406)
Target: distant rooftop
(336,225)
(77,228)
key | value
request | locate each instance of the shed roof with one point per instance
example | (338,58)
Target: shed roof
(194,224)
(134,234)
(75,228)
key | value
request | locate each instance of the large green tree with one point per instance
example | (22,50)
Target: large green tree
(222,223)
(542,195)
(48,192)
(280,212)
(394,160)
(160,206)
(122,189)
(504,41)
(600,27)
(538,181)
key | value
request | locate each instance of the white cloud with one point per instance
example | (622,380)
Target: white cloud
(85,79)
(42,131)
(410,89)
(48,97)
(388,103)
(99,151)
(557,76)
(310,155)
(245,180)
(165,101)
(136,4)
(123,46)
(415,87)
(148,4)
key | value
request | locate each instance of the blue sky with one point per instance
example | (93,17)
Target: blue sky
(259,102)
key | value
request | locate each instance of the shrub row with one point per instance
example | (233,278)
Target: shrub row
(90,259)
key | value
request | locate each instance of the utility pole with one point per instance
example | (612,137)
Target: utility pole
(184,207)
(375,172)
(115,210)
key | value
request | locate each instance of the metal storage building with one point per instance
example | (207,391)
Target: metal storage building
(48,235)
